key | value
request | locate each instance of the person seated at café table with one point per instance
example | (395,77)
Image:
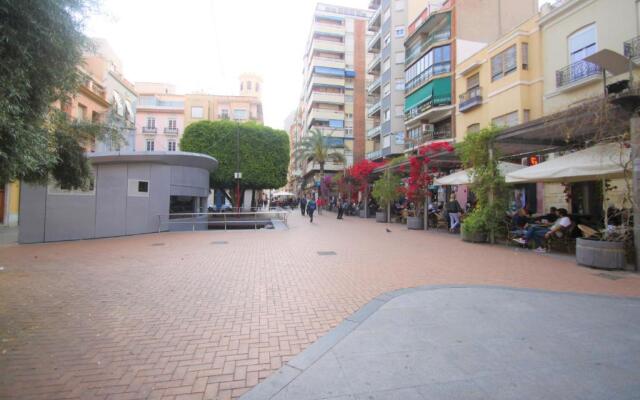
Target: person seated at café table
(548,218)
(520,219)
(539,233)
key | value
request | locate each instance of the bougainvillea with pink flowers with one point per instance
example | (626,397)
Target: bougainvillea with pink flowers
(420,176)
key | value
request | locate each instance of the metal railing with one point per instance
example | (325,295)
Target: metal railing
(373,108)
(258,219)
(374,84)
(575,72)
(632,47)
(428,136)
(374,131)
(435,69)
(146,129)
(470,98)
(416,51)
(171,130)
(435,101)
(372,155)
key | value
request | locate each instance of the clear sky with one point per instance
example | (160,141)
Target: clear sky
(203,45)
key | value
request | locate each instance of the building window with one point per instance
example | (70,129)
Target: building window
(197,112)
(399,31)
(150,145)
(525,56)
(399,57)
(386,90)
(582,44)
(239,114)
(387,40)
(473,81)
(399,84)
(386,15)
(386,64)
(224,114)
(137,188)
(386,141)
(399,111)
(143,186)
(257,86)
(436,61)
(506,120)
(81,112)
(526,115)
(173,124)
(504,63)
(387,115)
(171,145)
(399,5)
(151,122)
(473,128)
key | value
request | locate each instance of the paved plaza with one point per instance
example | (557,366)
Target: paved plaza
(209,315)
(471,343)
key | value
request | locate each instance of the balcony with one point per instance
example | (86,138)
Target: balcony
(373,132)
(171,131)
(374,108)
(317,61)
(374,65)
(427,134)
(374,43)
(470,99)
(374,155)
(327,45)
(324,114)
(418,50)
(333,29)
(375,84)
(576,72)
(375,21)
(632,47)
(323,97)
(148,129)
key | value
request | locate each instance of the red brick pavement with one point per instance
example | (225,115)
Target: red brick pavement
(175,316)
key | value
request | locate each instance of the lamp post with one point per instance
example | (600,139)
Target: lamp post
(238,175)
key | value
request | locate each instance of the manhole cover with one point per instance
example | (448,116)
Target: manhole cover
(609,276)
(158,244)
(326,253)
(219,242)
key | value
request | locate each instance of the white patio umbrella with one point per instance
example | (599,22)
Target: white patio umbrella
(465,177)
(602,161)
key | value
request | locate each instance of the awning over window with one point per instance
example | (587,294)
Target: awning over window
(419,97)
(438,91)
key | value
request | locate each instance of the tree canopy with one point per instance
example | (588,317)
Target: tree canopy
(264,152)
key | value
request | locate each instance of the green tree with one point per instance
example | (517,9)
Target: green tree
(264,152)
(316,148)
(41,47)
(386,189)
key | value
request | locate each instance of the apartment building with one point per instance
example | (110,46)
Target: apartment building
(159,117)
(502,83)
(386,68)
(245,107)
(333,98)
(445,34)
(105,66)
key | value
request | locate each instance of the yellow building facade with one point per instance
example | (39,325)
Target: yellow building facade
(502,83)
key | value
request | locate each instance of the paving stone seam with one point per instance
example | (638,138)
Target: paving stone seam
(289,372)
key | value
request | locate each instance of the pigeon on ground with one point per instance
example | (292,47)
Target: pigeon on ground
(388,230)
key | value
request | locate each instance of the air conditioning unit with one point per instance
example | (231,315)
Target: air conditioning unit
(427,128)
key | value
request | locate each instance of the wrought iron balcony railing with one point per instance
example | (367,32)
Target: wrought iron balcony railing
(171,130)
(470,99)
(428,136)
(148,129)
(576,72)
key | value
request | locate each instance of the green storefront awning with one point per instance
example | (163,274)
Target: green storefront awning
(419,97)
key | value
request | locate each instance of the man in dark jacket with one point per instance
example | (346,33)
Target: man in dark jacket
(340,208)
(311,207)
(303,205)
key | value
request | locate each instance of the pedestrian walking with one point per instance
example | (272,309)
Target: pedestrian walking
(311,207)
(340,208)
(303,205)
(454,210)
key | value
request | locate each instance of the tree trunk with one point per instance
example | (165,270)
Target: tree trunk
(389,213)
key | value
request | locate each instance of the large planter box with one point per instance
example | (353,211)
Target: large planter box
(415,223)
(600,254)
(476,237)
(363,214)
(381,216)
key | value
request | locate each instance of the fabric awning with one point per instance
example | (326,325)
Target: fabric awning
(442,90)
(465,177)
(419,97)
(603,161)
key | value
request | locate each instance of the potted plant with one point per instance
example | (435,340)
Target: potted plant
(385,191)
(476,151)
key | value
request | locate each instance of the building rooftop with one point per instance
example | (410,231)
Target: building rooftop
(179,158)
